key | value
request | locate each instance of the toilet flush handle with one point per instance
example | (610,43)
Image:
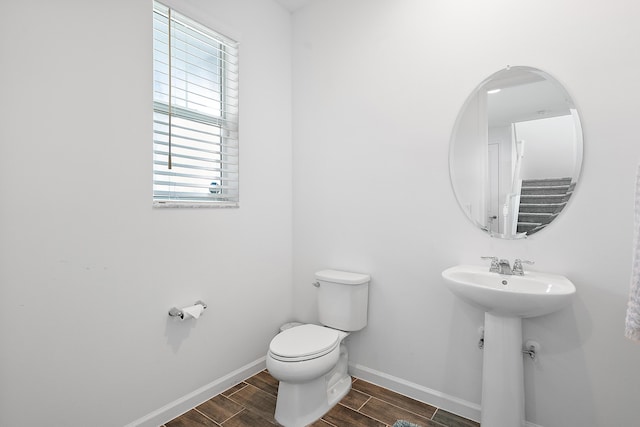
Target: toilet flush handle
(316,284)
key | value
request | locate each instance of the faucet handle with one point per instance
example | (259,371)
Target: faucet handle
(517,266)
(495,267)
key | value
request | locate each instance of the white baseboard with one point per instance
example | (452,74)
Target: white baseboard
(195,398)
(436,398)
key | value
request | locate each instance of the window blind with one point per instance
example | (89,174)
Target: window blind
(195,113)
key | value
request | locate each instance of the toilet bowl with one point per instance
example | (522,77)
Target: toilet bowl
(310,361)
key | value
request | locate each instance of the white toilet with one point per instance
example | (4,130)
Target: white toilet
(310,361)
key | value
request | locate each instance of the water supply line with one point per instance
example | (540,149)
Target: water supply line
(530,347)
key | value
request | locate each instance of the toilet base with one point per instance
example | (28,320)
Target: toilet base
(300,404)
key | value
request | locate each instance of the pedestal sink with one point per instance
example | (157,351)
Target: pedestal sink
(506,300)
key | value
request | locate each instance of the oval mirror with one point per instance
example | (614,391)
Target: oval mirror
(516,152)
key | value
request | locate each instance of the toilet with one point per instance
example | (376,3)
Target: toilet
(310,361)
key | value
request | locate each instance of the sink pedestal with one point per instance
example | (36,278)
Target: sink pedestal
(502,372)
(506,299)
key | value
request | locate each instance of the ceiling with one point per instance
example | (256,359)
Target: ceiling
(525,95)
(293,5)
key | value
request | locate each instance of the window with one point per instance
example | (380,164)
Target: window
(195,113)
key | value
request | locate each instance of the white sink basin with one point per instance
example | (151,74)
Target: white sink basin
(531,295)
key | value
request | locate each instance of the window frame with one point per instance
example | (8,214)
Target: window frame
(216,128)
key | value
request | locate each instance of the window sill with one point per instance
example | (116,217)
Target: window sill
(191,205)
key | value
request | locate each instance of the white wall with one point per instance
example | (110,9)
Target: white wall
(88,269)
(377,88)
(549,147)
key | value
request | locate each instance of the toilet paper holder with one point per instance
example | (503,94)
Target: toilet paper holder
(176,312)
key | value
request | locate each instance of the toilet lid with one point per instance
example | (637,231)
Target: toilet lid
(304,342)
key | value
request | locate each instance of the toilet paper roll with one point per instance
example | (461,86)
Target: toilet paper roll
(193,311)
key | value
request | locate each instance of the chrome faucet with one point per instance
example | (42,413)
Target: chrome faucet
(501,266)
(495,267)
(517,266)
(505,268)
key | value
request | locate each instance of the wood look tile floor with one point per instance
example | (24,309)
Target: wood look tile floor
(252,403)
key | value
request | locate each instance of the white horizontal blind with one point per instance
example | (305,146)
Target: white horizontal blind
(195,113)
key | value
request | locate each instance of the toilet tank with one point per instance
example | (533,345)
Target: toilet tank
(343,299)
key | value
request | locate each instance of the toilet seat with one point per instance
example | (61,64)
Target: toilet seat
(304,342)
